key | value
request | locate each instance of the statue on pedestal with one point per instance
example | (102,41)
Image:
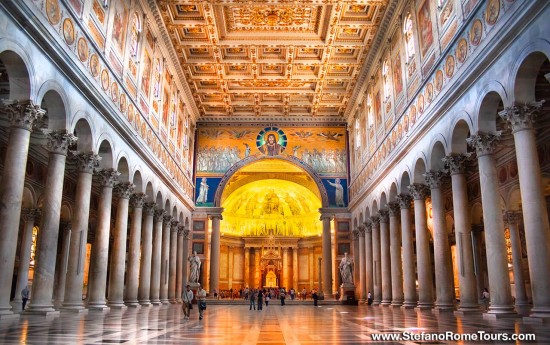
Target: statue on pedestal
(346,270)
(194,268)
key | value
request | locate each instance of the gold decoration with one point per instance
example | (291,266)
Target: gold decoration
(271,83)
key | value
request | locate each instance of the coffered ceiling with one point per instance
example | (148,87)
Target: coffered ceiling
(272,60)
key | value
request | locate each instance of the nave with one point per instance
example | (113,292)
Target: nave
(235,324)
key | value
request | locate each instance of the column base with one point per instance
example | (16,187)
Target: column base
(8,315)
(443,308)
(74,309)
(117,306)
(156,303)
(145,303)
(409,305)
(172,301)
(16,306)
(45,313)
(538,315)
(179,300)
(164,301)
(385,303)
(133,305)
(396,304)
(424,306)
(376,303)
(468,310)
(503,312)
(35,309)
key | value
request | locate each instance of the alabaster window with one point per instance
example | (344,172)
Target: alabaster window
(135,33)
(386,79)
(370,113)
(409,39)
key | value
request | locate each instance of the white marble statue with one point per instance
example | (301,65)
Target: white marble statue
(194,268)
(339,193)
(346,270)
(203,191)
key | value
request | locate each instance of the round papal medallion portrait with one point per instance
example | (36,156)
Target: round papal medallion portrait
(105,79)
(53,12)
(68,31)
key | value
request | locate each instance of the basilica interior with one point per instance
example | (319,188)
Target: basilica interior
(274,139)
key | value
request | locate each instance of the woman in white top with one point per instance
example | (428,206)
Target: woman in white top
(187,298)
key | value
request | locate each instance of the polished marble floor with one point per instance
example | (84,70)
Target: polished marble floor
(236,324)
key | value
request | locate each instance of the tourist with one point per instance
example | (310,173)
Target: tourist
(260,299)
(369,298)
(315,298)
(187,298)
(267,298)
(25,295)
(282,297)
(201,296)
(485,298)
(252,298)
(304,294)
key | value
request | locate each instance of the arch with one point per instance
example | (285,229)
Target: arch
(158,201)
(252,159)
(187,222)
(28,198)
(175,212)
(355,223)
(361,219)
(525,70)
(123,169)
(419,170)
(461,130)
(181,218)
(105,151)
(436,156)
(137,180)
(167,206)
(514,199)
(66,212)
(83,132)
(488,106)
(374,208)
(476,214)
(150,192)
(383,200)
(367,213)
(18,68)
(52,98)
(393,192)
(404,183)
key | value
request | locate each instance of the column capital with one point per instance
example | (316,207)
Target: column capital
(477,228)
(368,226)
(456,162)
(174,225)
(435,178)
(66,226)
(158,215)
(167,219)
(512,217)
(394,209)
(22,114)
(149,208)
(404,201)
(86,162)
(137,200)
(30,214)
(419,191)
(361,231)
(384,216)
(124,190)
(355,234)
(108,177)
(326,216)
(484,143)
(375,220)
(212,216)
(521,116)
(59,141)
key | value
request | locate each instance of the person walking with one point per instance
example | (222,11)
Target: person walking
(315,298)
(252,297)
(201,296)
(267,298)
(260,300)
(187,298)
(25,295)
(485,298)
(282,297)
(369,298)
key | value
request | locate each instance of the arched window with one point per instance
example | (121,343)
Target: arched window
(158,75)
(134,36)
(357,132)
(386,79)
(408,34)
(370,113)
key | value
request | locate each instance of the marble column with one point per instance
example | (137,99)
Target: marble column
(327,256)
(495,245)
(408,258)
(285,268)
(22,116)
(180,263)
(513,218)
(164,259)
(144,290)
(172,270)
(369,279)
(479,264)
(215,253)
(87,163)
(376,258)
(247,267)
(311,262)
(423,258)
(362,263)
(230,266)
(185,266)
(156,257)
(445,296)
(29,215)
(385,260)
(464,250)
(355,251)
(118,254)
(257,275)
(395,254)
(100,248)
(44,269)
(61,271)
(521,117)
(295,268)
(320,270)
(134,251)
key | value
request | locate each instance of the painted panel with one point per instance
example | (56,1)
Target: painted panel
(303,267)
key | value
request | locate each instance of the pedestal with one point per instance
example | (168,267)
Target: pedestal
(347,294)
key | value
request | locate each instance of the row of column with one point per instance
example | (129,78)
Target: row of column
(382,241)
(155,257)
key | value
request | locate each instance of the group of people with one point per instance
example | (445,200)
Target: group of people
(187,297)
